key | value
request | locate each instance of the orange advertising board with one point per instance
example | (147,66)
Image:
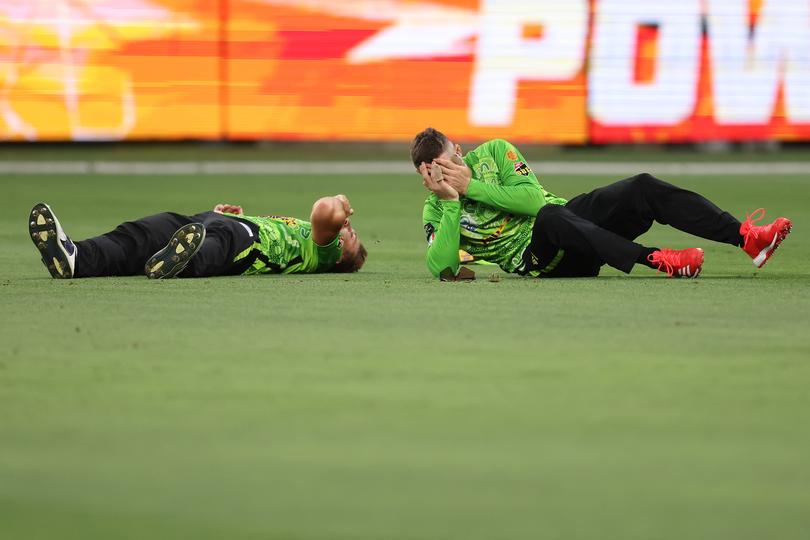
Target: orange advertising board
(544,71)
(350,70)
(109,69)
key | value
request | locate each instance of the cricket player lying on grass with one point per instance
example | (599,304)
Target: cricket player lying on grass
(490,204)
(222,242)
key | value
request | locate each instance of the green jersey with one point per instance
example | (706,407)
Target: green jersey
(493,221)
(285,246)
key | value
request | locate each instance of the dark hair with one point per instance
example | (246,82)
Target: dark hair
(351,262)
(427,146)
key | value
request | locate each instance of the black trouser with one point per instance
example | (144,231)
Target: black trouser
(599,227)
(124,251)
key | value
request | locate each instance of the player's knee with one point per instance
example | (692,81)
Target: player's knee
(644,178)
(549,213)
(645,181)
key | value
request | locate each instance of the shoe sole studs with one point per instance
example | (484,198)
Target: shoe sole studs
(172,259)
(42,228)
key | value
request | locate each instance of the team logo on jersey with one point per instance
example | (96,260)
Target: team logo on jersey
(511,155)
(522,169)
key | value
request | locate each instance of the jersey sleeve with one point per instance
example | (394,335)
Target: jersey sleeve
(519,191)
(441,220)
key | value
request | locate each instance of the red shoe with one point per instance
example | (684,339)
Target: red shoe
(680,262)
(762,240)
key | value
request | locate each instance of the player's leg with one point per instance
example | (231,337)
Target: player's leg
(567,245)
(120,252)
(125,250)
(225,239)
(629,208)
(585,245)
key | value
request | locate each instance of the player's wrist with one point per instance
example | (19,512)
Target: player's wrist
(472,189)
(450,195)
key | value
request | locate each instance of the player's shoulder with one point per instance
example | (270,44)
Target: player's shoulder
(498,143)
(494,148)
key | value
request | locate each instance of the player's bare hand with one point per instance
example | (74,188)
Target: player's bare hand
(442,189)
(456,174)
(223,208)
(344,202)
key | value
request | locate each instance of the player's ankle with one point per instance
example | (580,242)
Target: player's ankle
(644,257)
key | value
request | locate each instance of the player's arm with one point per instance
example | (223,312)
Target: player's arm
(441,217)
(519,191)
(328,216)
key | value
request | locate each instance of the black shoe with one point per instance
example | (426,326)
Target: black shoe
(171,260)
(57,251)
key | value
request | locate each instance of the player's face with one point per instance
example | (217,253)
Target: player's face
(349,239)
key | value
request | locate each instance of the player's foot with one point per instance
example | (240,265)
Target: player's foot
(678,262)
(762,240)
(171,260)
(57,250)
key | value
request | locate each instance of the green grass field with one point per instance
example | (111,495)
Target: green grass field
(388,405)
